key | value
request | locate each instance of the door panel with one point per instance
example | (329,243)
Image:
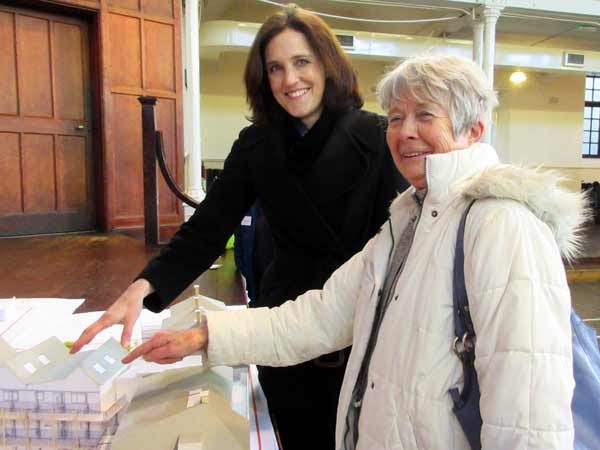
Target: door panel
(33,56)
(128,180)
(160,47)
(46,159)
(125,50)
(71,173)
(37,154)
(130,4)
(8,74)
(159,8)
(67,53)
(10,179)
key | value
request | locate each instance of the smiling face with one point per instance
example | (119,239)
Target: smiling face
(296,76)
(416,130)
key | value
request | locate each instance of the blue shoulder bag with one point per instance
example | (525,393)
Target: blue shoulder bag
(586,366)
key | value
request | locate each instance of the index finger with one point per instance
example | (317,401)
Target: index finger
(90,333)
(146,347)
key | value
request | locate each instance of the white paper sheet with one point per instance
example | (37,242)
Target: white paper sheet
(38,319)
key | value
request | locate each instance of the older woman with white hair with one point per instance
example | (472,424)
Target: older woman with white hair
(393,301)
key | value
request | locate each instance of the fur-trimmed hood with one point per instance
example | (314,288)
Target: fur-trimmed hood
(475,173)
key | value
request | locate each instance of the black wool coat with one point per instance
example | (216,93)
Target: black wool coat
(317,223)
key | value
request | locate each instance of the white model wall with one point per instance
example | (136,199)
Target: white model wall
(539,122)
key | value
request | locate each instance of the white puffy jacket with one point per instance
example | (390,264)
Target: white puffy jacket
(519,299)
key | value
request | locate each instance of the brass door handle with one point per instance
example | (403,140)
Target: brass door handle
(80,127)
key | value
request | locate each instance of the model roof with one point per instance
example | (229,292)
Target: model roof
(50,361)
(41,363)
(104,362)
(183,313)
(6,351)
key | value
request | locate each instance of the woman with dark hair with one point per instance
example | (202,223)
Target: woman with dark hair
(324,176)
(341,87)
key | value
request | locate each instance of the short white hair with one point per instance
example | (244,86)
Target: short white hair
(456,84)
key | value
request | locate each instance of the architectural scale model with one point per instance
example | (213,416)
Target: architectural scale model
(50,399)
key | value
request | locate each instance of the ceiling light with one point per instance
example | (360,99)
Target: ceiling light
(518,77)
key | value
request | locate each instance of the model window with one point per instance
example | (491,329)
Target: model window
(591,117)
(99,368)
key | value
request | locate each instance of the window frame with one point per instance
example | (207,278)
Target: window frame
(593,117)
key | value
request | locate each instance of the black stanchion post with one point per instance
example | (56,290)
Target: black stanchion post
(151,225)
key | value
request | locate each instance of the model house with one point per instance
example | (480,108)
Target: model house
(50,399)
(188,312)
(190,408)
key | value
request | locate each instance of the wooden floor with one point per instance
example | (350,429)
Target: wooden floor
(97,267)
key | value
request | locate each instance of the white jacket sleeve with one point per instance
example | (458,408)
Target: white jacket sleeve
(520,305)
(316,323)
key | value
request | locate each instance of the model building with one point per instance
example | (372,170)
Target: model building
(50,399)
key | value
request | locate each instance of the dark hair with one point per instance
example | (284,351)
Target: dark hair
(341,85)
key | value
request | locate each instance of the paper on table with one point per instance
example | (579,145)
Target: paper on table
(32,325)
(25,307)
(61,304)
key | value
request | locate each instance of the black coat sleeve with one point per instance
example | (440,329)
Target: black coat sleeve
(202,238)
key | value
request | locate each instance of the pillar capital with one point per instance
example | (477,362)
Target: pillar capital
(488,10)
(491,12)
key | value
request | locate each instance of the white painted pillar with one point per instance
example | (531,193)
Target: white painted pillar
(490,18)
(478,41)
(191,103)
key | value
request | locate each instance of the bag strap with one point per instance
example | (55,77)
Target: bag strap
(466,402)
(463,325)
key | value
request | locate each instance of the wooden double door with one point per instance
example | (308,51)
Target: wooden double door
(46,151)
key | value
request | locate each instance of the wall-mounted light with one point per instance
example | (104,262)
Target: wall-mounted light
(518,77)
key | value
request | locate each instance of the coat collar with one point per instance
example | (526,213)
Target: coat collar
(475,173)
(344,159)
(342,163)
(444,172)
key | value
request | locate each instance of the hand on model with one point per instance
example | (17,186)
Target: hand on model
(125,310)
(168,346)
